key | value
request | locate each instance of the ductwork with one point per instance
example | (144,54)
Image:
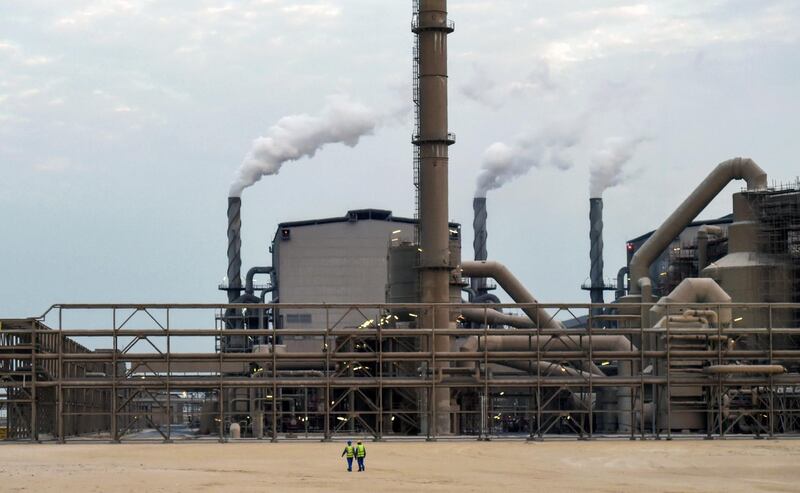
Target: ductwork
(551,343)
(248,285)
(695,290)
(491,316)
(727,171)
(234,248)
(702,243)
(622,278)
(519,294)
(513,287)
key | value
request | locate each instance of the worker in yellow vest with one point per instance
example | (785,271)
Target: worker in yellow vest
(361,454)
(350,452)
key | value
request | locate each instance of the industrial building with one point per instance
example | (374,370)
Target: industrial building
(376,325)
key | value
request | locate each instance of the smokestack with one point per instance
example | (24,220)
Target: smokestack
(431,27)
(234,248)
(596,252)
(479,241)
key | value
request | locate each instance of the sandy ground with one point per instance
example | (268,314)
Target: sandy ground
(676,466)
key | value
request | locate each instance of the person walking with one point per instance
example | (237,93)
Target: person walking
(349,451)
(361,454)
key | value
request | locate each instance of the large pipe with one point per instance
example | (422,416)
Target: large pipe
(727,171)
(432,27)
(234,248)
(513,287)
(745,369)
(491,316)
(479,240)
(702,244)
(596,253)
(695,290)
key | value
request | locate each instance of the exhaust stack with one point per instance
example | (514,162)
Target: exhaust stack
(596,283)
(479,242)
(234,248)
(431,27)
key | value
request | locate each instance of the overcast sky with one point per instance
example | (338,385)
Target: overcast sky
(122,124)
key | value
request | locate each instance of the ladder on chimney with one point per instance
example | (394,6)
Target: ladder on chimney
(416,99)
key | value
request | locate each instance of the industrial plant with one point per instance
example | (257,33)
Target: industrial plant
(364,323)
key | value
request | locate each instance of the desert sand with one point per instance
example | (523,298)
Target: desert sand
(499,466)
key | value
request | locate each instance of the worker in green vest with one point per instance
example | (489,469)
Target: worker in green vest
(350,452)
(361,454)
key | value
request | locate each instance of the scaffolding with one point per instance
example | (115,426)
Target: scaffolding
(150,383)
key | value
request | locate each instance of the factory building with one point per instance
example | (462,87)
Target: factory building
(702,339)
(333,260)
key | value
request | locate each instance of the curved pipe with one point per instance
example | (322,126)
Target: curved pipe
(727,171)
(513,287)
(248,284)
(622,277)
(487,298)
(695,290)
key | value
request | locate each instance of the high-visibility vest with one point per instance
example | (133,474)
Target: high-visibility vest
(349,450)
(361,450)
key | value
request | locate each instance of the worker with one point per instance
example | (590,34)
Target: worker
(349,451)
(361,454)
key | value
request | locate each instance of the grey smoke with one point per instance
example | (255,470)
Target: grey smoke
(607,169)
(293,137)
(503,163)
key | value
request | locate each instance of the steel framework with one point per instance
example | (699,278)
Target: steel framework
(139,369)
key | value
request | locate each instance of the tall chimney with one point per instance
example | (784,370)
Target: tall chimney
(234,248)
(432,27)
(479,241)
(596,252)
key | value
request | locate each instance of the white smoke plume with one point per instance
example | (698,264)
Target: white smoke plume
(503,163)
(293,137)
(484,89)
(607,169)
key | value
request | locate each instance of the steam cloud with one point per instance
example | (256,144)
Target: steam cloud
(341,121)
(608,163)
(483,89)
(503,163)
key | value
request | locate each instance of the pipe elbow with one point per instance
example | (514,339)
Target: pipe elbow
(746,169)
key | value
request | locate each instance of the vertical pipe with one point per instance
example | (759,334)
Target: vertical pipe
(234,248)
(432,27)
(596,252)
(479,240)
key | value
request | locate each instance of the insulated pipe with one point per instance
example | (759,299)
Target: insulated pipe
(702,244)
(234,248)
(596,253)
(494,317)
(622,277)
(431,26)
(739,369)
(695,290)
(513,287)
(727,171)
(555,343)
(248,284)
